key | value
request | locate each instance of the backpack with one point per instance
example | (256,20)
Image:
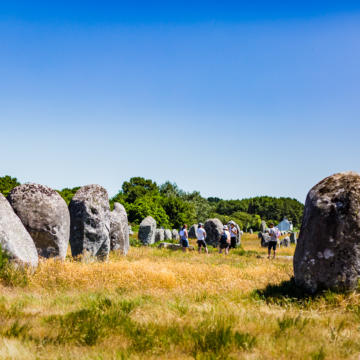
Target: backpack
(224,238)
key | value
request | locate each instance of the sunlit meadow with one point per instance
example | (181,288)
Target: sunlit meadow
(171,305)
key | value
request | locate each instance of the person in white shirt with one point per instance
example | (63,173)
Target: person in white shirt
(233,235)
(274,234)
(201,236)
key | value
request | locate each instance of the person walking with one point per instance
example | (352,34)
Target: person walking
(274,235)
(201,236)
(184,238)
(233,235)
(224,240)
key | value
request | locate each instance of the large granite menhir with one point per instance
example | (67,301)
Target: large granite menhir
(119,229)
(45,215)
(327,254)
(147,231)
(90,222)
(15,241)
(213,228)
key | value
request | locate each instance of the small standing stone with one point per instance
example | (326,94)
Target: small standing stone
(119,229)
(167,234)
(293,238)
(192,231)
(263,226)
(175,234)
(159,235)
(147,230)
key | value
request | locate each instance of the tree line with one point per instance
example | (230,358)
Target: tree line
(171,207)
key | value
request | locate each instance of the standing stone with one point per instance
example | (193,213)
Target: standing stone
(175,234)
(213,228)
(15,241)
(45,216)
(293,238)
(159,235)
(285,242)
(90,222)
(119,229)
(167,234)
(251,231)
(263,226)
(264,238)
(147,229)
(130,230)
(327,254)
(238,236)
(192,231)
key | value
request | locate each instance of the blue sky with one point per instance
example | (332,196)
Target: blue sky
(234,99)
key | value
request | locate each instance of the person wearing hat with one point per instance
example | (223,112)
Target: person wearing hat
(201,236)
(224,240)
(274,234)
(233,235)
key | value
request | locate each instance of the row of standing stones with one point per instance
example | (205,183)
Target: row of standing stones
(149,234)
(327,254)
(35,221)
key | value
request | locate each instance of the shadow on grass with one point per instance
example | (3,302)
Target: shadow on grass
(284,293)
(288,293)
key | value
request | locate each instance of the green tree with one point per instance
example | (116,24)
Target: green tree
(7,183)
(67,193)
(138,187)
(147,206)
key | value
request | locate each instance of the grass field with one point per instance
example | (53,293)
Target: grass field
(166,304)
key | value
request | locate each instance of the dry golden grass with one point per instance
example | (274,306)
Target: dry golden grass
(162,304)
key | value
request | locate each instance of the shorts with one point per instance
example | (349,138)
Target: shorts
(233,243)
(201,243)
(184,243)
(224,245)
(272,244)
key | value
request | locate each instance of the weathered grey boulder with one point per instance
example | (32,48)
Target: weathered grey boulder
(90,222)
(238,236)
(14,239)
(264,238)
(285,242)
(293,238)
(171,246)
(192,231)
(147,229)
(45,216)
(251,231)
(327,254)
(167,234)
(119,229)
(263,226)
(213,228)
(175,234)
(159,235)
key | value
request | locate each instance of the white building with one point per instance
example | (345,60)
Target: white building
(285,225)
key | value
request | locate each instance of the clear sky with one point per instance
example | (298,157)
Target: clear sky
(231,98)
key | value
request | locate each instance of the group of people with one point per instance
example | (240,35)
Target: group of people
(228,238)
